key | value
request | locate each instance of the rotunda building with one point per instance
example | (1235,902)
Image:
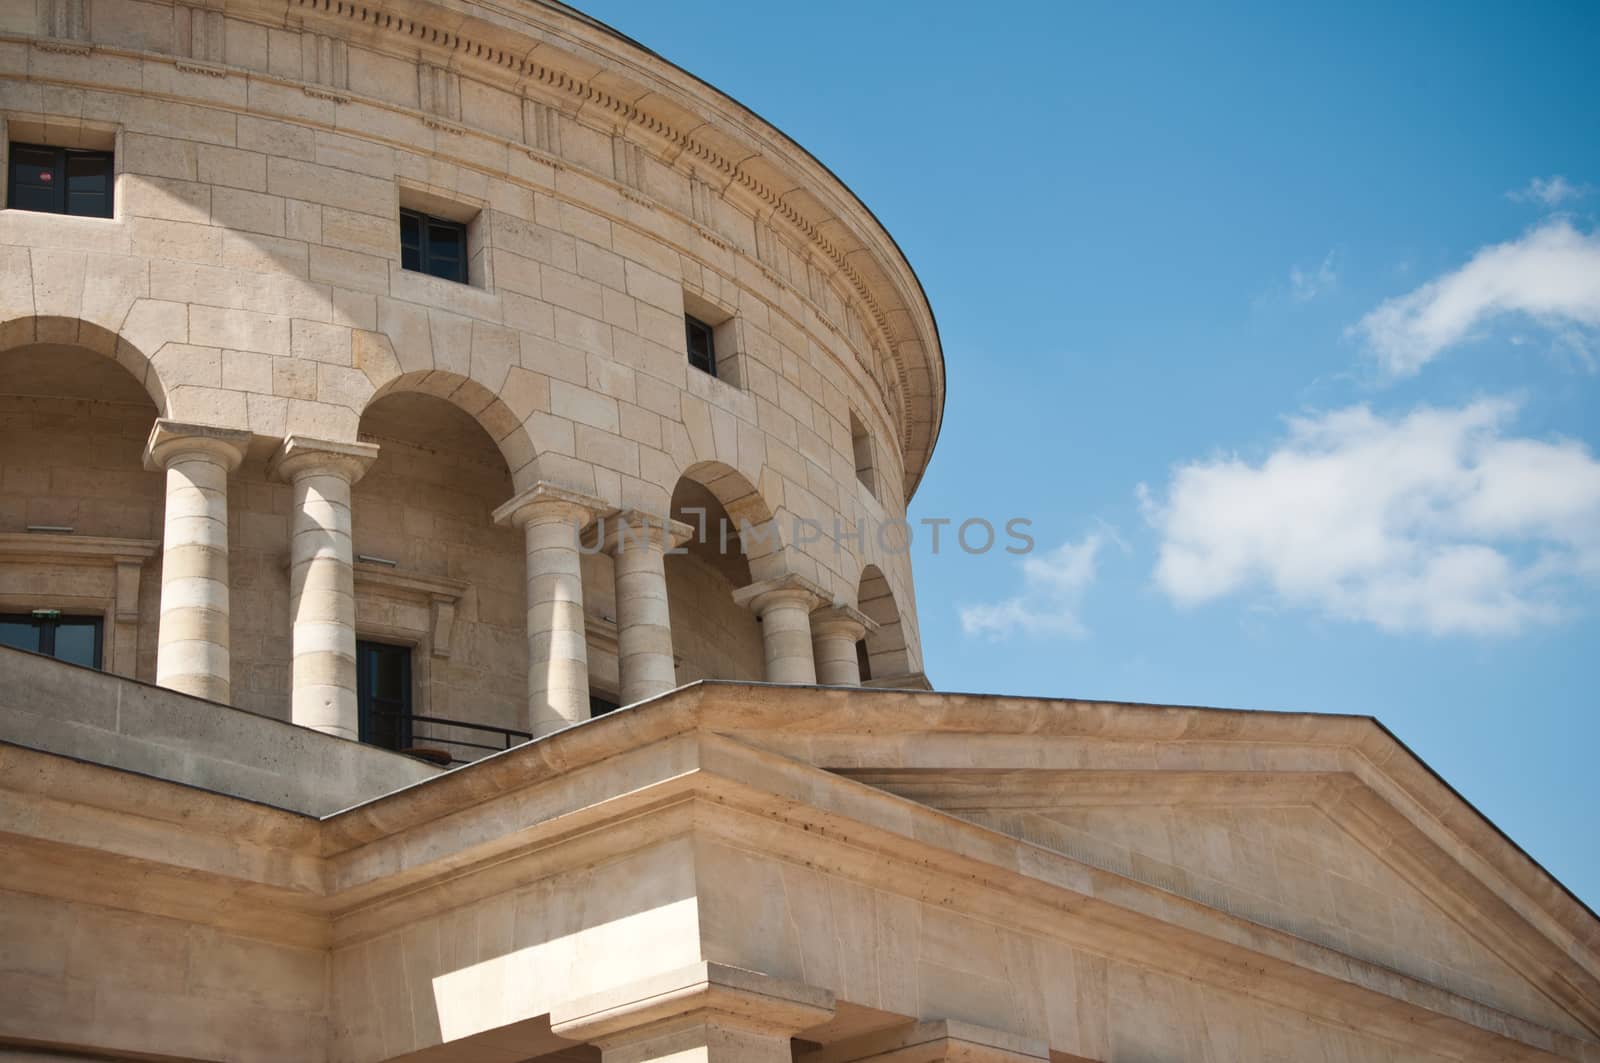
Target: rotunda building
(439,374)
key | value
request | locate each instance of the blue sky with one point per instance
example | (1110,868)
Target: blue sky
(1281,324)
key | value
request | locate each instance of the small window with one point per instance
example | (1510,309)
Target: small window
(866,462)
(74,639)
(60,180)
(435,246)
(600,704)
(383,694)
(701,343)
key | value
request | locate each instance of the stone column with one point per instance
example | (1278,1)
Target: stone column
(784,605)
(638,542)
(192,652)
(835,630)
(552,519)
(706,1013)
(322,593)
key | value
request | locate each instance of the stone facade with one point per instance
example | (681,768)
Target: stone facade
(236,430)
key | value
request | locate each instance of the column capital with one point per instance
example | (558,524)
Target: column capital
(842,621)
(545,500)
(173,440)
(726,996)
(788,588)
(928,1042)
(624,529)
(302,456)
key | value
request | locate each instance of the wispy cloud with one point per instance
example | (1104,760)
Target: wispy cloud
(1551,274)
(1549,191)
(1436,521)
(1051,596)
(1306,284)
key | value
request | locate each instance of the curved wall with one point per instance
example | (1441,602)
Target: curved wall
(250,280)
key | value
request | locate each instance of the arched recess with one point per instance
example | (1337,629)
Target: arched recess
(882,652)
(80,516)
(435,576)
(736,542)
(503,427)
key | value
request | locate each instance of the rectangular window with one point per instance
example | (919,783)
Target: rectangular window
(74,639)
(702,349)
(435,246)
(60,180)
(600,704)
(383,694)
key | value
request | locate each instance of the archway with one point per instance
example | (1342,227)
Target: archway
(440,614)
(735,543)
(80,516)
(883,652)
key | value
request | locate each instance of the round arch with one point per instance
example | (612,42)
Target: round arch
(41,329)
(886,654)
(496,418)
(753,523)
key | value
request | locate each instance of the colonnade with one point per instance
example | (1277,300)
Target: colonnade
(807,637)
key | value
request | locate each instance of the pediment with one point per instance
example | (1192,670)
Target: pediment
(1312,854)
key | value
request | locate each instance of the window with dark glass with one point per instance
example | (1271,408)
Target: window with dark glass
(702,350)
(434,246)
(60,180)
(74,639)
(383,694)
(600,704)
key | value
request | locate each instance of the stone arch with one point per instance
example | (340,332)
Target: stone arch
(763,547)
(491,412)
(36,329)
(884,650)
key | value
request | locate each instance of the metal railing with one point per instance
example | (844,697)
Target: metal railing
(421,744)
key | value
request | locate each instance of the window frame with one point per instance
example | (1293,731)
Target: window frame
(61,180)
(366,732)
(49,620)
(692,325)
(425,223)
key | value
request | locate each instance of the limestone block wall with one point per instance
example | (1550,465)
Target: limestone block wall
(717,639)
(251,279)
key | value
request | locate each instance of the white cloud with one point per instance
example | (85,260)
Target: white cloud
(1550,191)
(1053,588)
(1551,274)
(1306,285)
(1437,521)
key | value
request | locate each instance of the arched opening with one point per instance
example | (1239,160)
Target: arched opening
(735,537)
(440,615)
(80,516)
(883,652)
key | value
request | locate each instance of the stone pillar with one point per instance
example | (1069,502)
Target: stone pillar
(926,1042)
(835,630)
(322,593)
(552,519)
(784,605)
(706,1013)
(192,652)
(638,542)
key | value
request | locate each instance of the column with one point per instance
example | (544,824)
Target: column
(192,651)
(784,606)
(638,542)
(706,1013)
(322,592)
(835,630)
(552,518)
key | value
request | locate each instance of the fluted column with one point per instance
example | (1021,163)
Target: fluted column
(552,519)
(638,542)
(835,630)
(784,605)
(322,593)
(192,651)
